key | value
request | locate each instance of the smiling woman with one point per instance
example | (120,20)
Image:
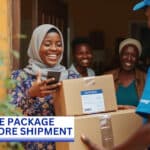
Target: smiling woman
(129,80)
(34,93)
(83,55)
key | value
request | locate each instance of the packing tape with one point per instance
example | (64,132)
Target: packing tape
(106,131)
(89,81)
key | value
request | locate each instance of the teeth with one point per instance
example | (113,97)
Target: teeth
(85,61)
(52,56)
(128,64)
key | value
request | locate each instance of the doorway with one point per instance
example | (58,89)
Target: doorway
(31,14)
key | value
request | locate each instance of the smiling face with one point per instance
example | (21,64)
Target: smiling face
(83,55)
(51,49)
(129,57)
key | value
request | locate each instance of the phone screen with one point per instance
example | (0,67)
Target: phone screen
(55,75)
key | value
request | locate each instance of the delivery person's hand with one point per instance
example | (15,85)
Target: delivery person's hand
(140,140)
(42,88)
(90,145)
(122,107)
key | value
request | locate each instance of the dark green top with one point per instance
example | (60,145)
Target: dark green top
(127,95)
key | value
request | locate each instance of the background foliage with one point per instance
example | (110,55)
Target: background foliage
(6,108)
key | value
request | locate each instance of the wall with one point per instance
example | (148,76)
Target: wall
(26,29)
(112,16)
(5,46)
(5,42)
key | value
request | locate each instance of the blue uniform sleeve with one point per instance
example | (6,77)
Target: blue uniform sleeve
(143,108)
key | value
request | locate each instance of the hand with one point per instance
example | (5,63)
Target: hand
(43,88)
(122,107)
(90,144)
(140,140)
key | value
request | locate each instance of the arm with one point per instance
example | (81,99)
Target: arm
(25,92)
(18,93)
(140,140)
(121,107)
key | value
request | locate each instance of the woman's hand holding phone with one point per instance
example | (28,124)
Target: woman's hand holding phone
(42,88)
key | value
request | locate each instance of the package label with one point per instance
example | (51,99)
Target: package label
(92,101)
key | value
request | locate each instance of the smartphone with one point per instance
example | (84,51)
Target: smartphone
(55,75)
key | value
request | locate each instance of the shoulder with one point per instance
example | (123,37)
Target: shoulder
(68,74)
(72,74)
(91,72)
(72,68)
(140,73)
(19,75)
(64,75)
(113,71)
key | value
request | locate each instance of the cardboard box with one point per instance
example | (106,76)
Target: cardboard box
(105,129)
(86,96)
